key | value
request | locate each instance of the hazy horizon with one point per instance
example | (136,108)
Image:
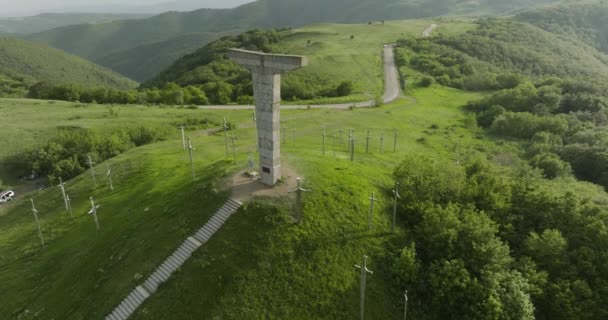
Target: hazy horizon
(35,7)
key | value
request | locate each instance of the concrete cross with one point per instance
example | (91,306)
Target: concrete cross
(364,272)
(299,190)
(182,129)
(93,212)
(109,176)
(266,70)
(324,140)
(62,186)
(35,212)
(397,197)
(226,136)
(395,141)
(69,202)
(371,211)
(190,149)
(405,306)
(91,166)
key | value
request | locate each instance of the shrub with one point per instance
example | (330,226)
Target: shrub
(427,81)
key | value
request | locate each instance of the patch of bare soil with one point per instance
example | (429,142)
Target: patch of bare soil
(244,188)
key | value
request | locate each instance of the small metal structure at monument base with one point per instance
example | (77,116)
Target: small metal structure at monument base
(299,205)
(35,212)
(93,212)
(364,272)
(266,70)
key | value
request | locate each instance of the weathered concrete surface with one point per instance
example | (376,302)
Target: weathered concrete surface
(266,70)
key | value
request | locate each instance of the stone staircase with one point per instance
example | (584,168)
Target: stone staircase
(128,306)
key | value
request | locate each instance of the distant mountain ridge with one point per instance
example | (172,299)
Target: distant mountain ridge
(25,63)
(48,21)
(97,42)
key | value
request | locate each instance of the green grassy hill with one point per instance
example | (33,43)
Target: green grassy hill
(480,234)
(97,42)
(48,21)
(28,62)
(584,21)
(144,62)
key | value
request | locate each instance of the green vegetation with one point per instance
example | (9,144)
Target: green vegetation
(584,21)
(101,43)
(498,54)
(22,63)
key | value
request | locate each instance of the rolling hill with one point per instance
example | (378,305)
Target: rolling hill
(97,42)
(48,21)
(27,62)
(584,21)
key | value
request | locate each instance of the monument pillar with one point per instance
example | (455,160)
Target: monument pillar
(266,70)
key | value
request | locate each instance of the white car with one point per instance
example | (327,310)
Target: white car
(6,196)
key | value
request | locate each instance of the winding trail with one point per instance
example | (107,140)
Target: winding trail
(427,32)
(392,91)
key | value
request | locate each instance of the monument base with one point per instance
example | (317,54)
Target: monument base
(270,175)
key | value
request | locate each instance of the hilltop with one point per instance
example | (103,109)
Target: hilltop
(48,21)
(27,62)
(585,21)
(97,42)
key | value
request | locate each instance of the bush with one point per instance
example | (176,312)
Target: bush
(427,81)
(551,165)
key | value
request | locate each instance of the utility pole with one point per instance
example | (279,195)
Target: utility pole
(226,136)
(299,190)
(109,176)
(93,212)
(324,140)
(233,147)
(371,211)
(182,129)
(405,306)
(190,149)
(35,212)
(364,272)
(397,197)
(395,141)
(91,163)
(367,143)
(62,186)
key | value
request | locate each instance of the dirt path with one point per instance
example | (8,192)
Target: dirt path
(428,31)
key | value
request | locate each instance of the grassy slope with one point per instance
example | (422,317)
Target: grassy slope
(254,267)
(96,42)
(39,62)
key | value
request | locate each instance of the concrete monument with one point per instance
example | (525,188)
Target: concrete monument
(266,70)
